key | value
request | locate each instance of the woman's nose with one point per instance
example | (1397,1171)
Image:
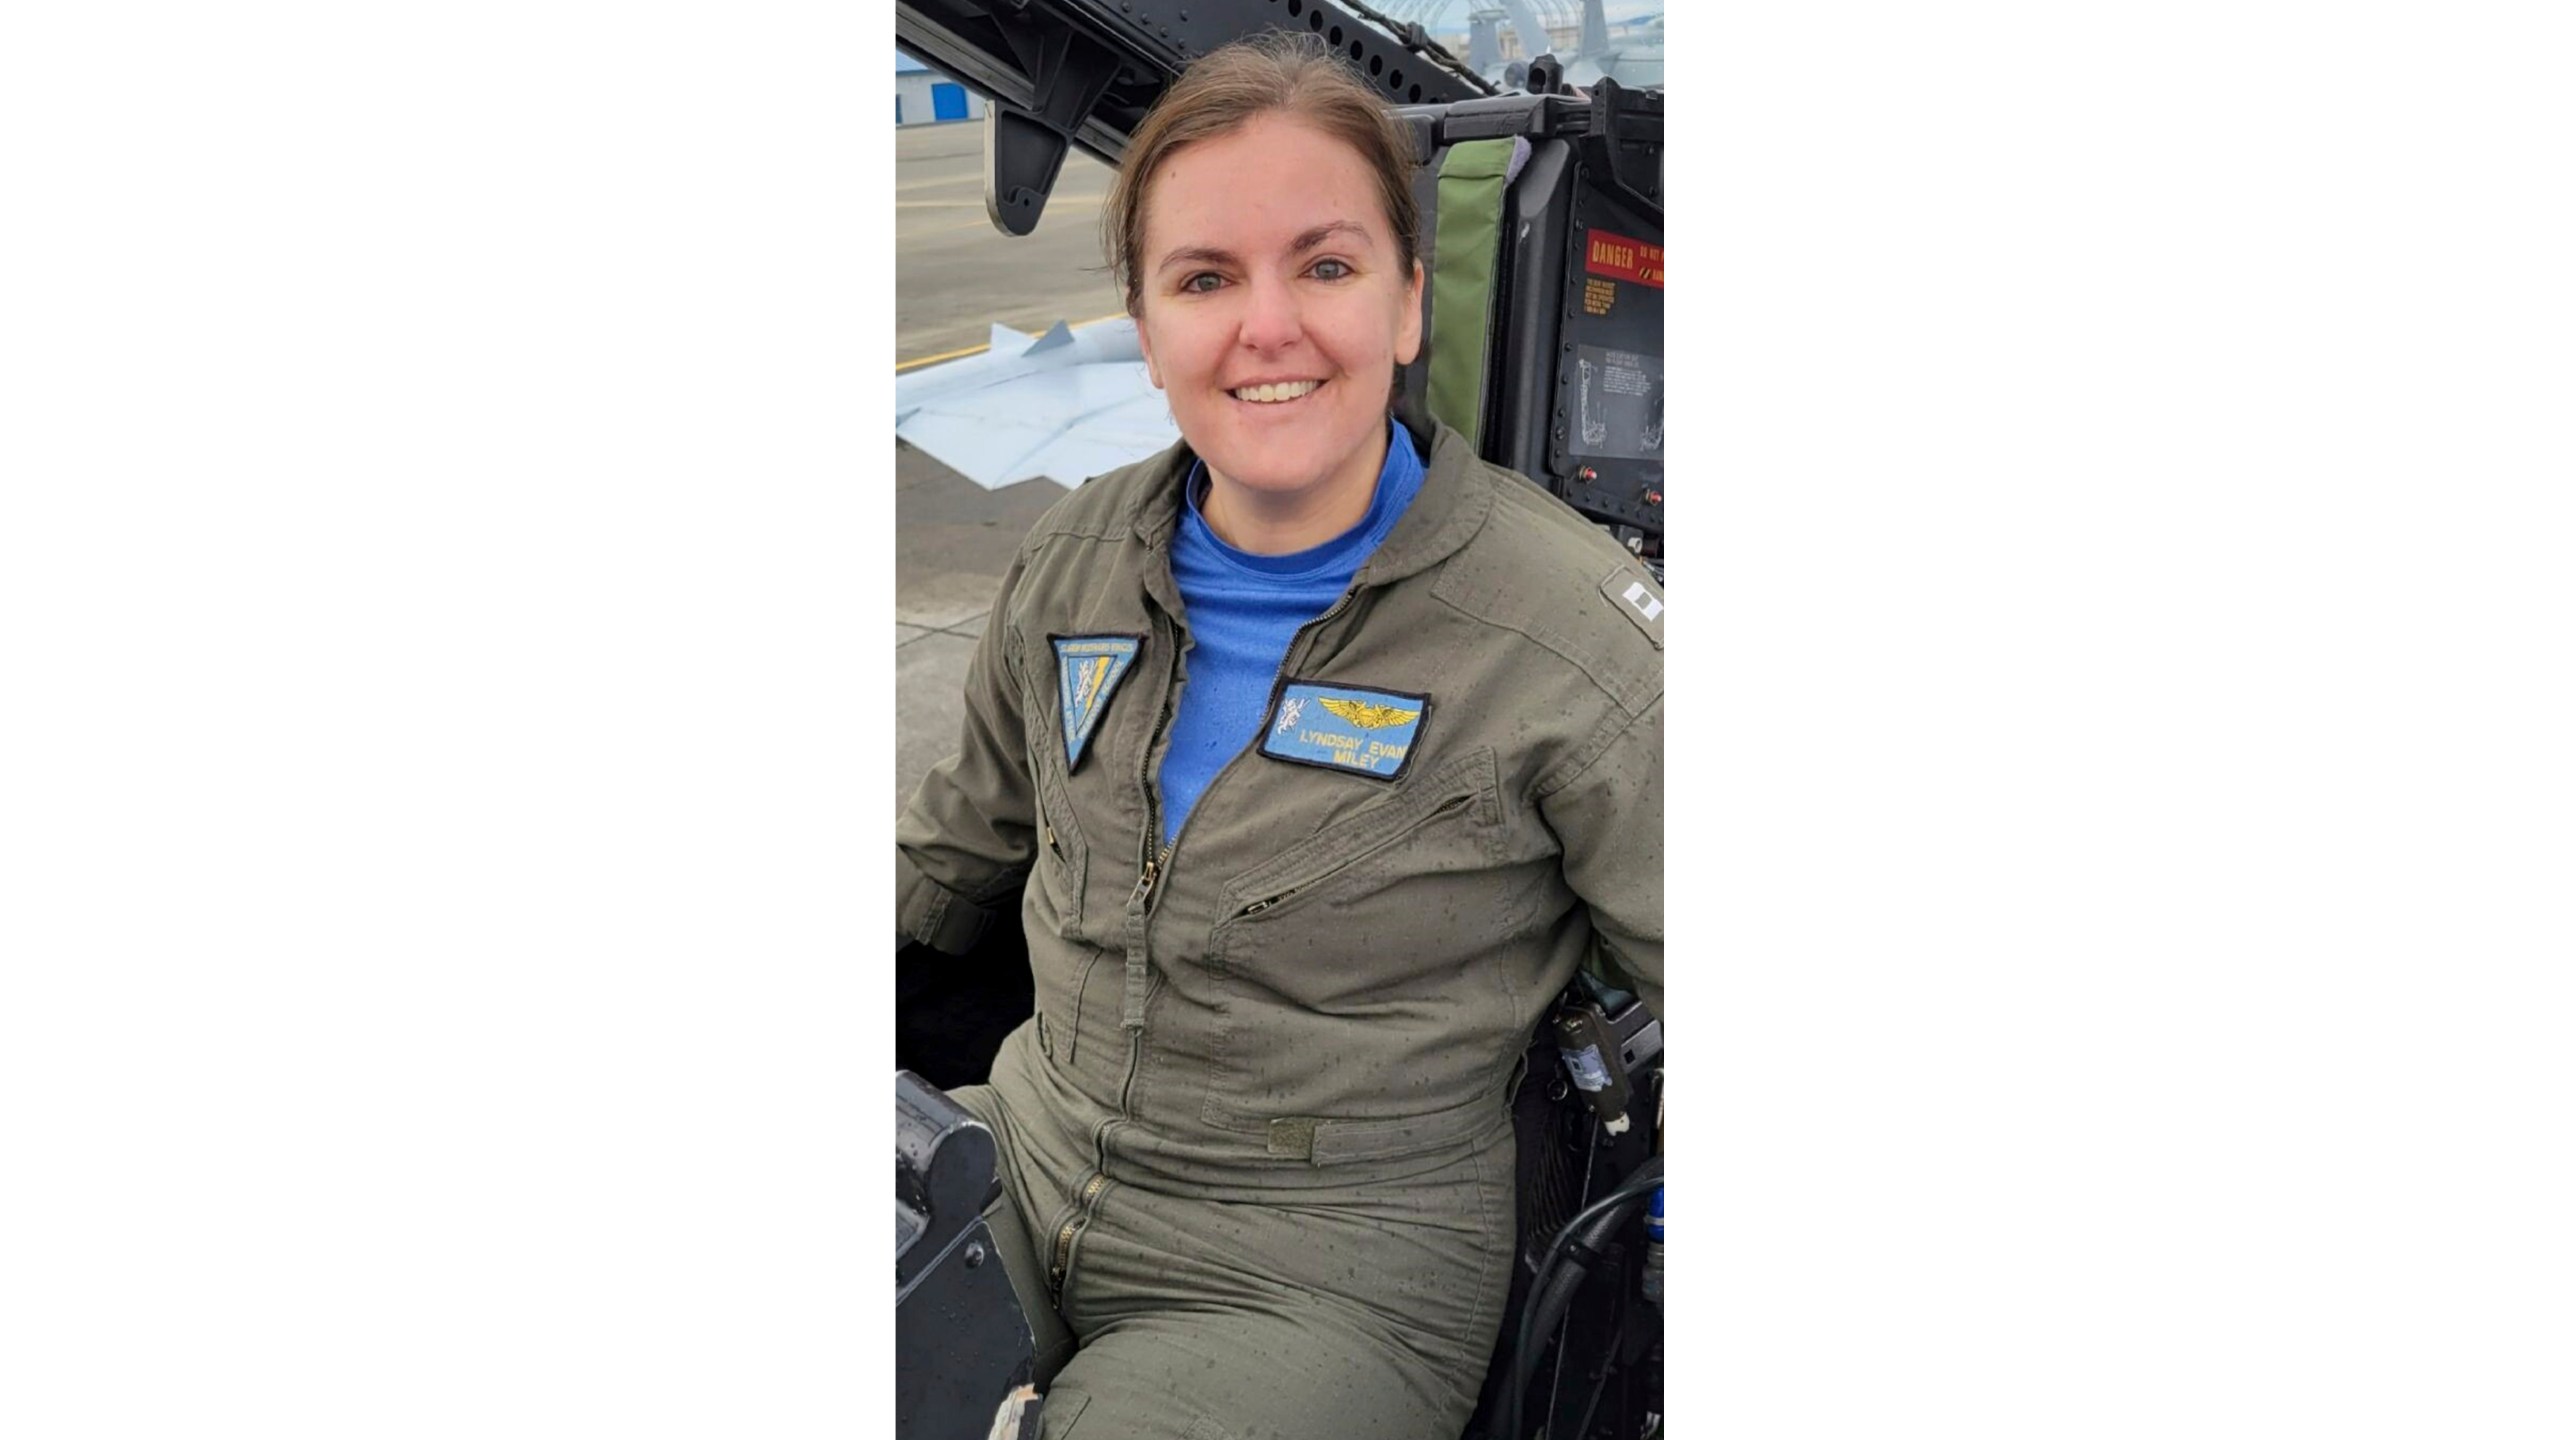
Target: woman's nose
(1270,317)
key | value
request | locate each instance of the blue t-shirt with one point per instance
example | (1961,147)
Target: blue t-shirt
(1244,610)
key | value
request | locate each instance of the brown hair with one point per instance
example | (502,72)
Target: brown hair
(1274,71)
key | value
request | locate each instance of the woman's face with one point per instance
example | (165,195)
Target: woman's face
(1274,311)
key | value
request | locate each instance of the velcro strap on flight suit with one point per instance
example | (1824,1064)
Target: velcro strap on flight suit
(1334,1142)
(1133,991)
(1463,247)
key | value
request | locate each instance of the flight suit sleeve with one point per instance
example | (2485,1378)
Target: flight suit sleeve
(968,834)
(1608,817)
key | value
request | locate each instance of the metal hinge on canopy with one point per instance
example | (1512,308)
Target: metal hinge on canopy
(1025,148)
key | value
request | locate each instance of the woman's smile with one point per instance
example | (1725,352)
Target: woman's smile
(1278,392)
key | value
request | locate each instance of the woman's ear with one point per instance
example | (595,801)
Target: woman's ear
(1409,323)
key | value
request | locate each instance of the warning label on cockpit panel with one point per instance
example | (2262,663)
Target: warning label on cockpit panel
(1617,404)
(1624,258)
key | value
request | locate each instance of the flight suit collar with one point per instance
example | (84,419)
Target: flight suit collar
(1455,500)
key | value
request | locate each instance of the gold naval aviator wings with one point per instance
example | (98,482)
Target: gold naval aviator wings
(1367,715)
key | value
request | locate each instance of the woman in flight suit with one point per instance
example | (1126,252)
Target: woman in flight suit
(1323,754)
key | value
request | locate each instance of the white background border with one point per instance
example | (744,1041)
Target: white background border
(443,626)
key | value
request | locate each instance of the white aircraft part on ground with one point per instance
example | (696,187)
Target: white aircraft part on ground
(1067,406)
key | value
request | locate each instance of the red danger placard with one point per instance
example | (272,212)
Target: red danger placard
(1624,259)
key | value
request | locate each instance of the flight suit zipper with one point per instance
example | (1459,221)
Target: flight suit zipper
(1080,1211)
(1154,860)
(1078,1218)
(1151,861)
(1296,642)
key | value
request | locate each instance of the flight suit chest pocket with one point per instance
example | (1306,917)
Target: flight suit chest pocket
(1446,823)
(1335,966)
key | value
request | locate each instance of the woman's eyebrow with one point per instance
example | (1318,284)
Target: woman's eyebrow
(1195,255)
(1317,235)
(1308,239)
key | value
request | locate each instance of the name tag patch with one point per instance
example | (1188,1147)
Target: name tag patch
(1344,727)
(1090,669)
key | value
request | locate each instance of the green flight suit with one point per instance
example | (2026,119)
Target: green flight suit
(1258,1127)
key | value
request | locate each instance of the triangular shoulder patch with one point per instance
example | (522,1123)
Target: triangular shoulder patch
(1090,669)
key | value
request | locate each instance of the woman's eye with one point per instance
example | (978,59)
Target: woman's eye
(1330,270)
(1202,283)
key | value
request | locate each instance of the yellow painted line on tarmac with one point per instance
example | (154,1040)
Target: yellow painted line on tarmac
(906,365)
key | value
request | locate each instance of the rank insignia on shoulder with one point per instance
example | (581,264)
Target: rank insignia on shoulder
(1344,727)
(1090,669)
(1637,598)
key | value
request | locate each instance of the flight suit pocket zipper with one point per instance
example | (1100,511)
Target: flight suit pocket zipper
(1358,920)
(1062,859)
(1453,802)
(1459,785)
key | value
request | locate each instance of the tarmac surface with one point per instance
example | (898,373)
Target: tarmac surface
(956,275)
